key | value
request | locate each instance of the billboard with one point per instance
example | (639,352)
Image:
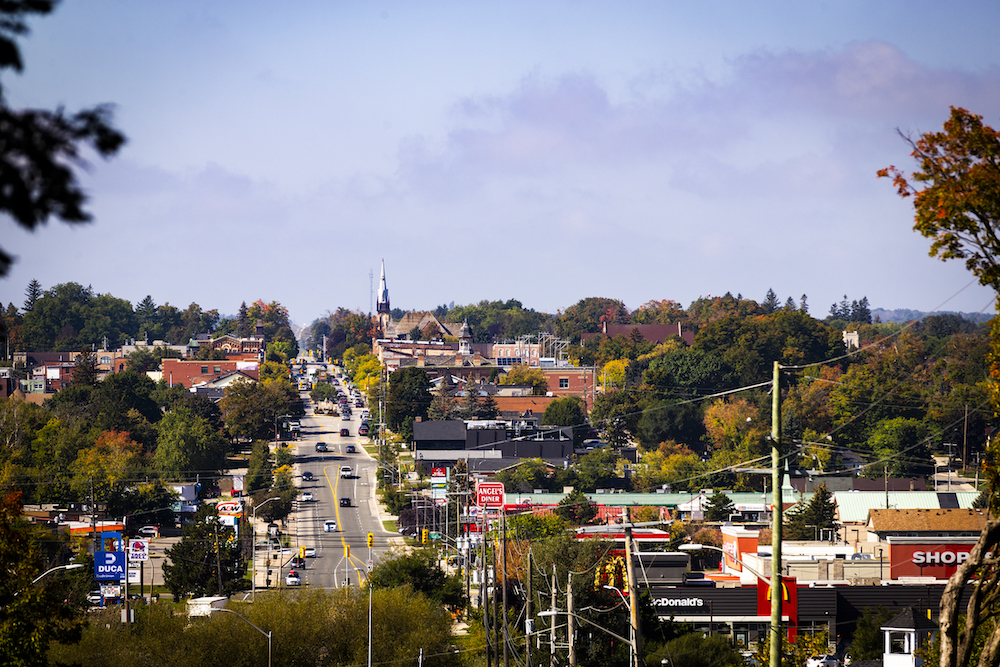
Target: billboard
(109,565)
(490,495)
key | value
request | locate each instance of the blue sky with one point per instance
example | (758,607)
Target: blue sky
(493,150)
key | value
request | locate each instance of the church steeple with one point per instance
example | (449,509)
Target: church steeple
(383,293)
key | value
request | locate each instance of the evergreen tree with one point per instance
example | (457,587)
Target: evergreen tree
(243,325)
(488,407)
(719,507)
(860,312)
(441,408)
(811,521)
(803,306)
(576,508)
(31,295)
(471,407)
(85,368)
(770,303)
(789,304)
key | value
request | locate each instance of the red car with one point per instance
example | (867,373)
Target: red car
(345,432)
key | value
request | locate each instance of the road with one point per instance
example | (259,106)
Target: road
(331,567)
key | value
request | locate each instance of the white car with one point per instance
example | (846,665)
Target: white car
(149,531)
(310,552)
(293,579)
(307,497)
(823,661)
(330,526)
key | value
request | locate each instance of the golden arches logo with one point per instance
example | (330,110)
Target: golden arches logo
(785,596)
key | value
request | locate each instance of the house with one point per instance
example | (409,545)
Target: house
(885,523)
(191,373)
(853,507)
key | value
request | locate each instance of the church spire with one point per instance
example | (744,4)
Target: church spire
(383,293)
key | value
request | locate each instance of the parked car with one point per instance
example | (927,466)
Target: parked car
(149,531)
(329,526)
(293,579)
(94,597)
(345,501)
(823,661)
(310,552)
(307,497)
(307,476)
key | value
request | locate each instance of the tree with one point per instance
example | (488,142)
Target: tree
(31,615)
(41,148)
(31,294)
(808,522)
(719,507)
(207,560)
(868,642)
(259,468)
(576,508)
(567,411)
(420,571)
(187,444)
(409,398)
(956,192)
(522,374)
(770,303)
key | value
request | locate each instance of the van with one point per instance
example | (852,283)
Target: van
(346,471)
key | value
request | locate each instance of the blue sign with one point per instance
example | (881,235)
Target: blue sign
(109,565)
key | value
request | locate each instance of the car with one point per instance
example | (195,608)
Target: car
(94,597)
(363,430)
(823,661)
(351,449)
(298,562)
(310,552)
(345,501)
(345,432)
(329,526)
(346,472)
(149,531)
(307,496)
(293,579)
(321,447)
(307,476)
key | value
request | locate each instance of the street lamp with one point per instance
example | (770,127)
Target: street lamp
(266,634)
(71,566)
(253,532)
(632,644)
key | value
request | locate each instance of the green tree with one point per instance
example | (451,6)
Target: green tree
(868,642)
(810,521)
(31,615)
(531,376)
(85,368)
(719,507)
(526,476)
(420,571)
(206,561)
(588,315)
(576,508)
(409,398)
(259,468)
(697,650)
(31,294)
(187,444)
(567,412)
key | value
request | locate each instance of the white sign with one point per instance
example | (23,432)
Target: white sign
(138,550)
(230,507)
(111,590)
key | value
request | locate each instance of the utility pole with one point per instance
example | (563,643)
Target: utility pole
(776,494)
(552,629)
(529,621)
(570,630)
(632,595)
(503,582)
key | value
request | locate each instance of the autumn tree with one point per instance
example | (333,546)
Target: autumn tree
(523,374)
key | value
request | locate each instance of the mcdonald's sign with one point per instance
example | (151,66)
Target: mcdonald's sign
(789,602)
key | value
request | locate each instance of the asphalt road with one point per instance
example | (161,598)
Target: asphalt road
(332,566)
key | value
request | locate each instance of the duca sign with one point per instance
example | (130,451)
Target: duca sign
(109,565)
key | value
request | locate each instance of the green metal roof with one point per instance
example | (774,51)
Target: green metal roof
(853,506)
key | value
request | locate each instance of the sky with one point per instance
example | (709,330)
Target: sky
(539,151)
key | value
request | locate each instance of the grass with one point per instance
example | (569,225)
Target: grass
(390,525)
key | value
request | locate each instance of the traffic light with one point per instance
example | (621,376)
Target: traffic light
(302,552)
(423,536)
(371,540)
(347,551)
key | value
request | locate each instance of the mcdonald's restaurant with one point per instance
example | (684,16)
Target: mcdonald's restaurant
(744,613)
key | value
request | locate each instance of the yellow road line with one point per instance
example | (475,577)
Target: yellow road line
(361,572)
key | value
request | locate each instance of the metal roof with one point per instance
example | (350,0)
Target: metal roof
(653,499)
(853,506)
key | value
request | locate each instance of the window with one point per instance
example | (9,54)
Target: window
(564,383)
(204,370)
(218,369)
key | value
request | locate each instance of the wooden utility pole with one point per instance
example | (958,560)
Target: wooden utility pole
(633,596)
(529,621)
(503,582)
(570,629)
(776,588)
(552,630)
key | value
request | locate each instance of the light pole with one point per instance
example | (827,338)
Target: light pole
(266,634)
(253,534)
(71,566)
(633,643)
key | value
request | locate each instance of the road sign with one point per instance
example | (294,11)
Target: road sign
(371,564)
(490,494)
(138,550)
(109,565)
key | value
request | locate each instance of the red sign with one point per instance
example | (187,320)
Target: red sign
(490,494)
(439,472)
(789,602)
(926,560)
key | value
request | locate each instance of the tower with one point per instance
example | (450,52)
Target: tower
(382,305)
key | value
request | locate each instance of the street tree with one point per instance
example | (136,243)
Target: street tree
(207,560)
(188,444)
(420,571)
(576,508)
(719,507)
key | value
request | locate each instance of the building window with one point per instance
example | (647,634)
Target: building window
(204,370)
(564,383)
(218,369)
